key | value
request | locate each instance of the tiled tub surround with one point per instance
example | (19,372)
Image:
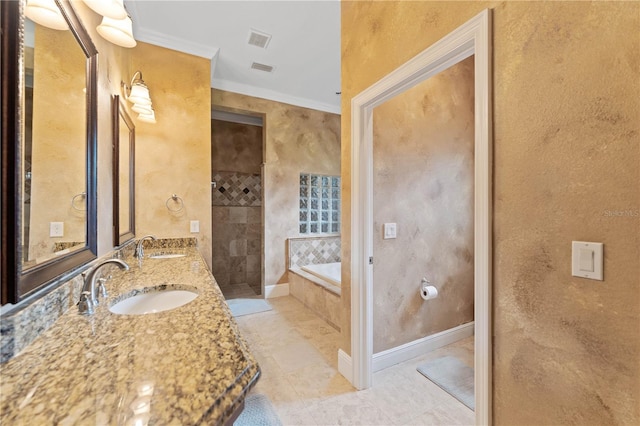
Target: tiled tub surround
(184,366)
(319,295)
(313,250)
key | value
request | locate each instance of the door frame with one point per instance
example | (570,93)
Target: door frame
(472,38)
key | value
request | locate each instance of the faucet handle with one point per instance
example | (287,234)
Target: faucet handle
(102,287)
(85,305)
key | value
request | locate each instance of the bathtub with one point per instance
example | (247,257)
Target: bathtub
(318,288)
(330,272)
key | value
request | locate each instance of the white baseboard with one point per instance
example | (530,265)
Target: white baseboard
(410,350)
(345,367)
(276,290)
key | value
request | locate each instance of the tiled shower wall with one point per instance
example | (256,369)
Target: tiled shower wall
(236,247)
(236,208)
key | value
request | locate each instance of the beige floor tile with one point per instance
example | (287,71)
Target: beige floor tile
(440,416)
(319,381)
(296,356)
(298,416)
(348,409)
(297,352)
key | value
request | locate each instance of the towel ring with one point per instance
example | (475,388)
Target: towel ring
(175,199)
(75,197)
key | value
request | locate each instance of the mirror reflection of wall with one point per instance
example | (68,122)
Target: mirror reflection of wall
(124,178)
(54,144)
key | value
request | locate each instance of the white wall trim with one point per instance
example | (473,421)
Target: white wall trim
(272,95)
(418,347)
(472,38)
(345,366)
(276,290)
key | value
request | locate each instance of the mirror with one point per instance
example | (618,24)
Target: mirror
(124,140)
(49,149)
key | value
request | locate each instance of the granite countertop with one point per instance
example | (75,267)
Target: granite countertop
(183,366)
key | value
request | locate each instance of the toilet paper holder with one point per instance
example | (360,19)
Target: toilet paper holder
(427,291)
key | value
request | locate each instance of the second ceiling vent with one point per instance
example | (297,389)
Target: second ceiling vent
(259,39)
(261,67)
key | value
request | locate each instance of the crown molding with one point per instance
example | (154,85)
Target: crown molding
(272,95)
(174,43)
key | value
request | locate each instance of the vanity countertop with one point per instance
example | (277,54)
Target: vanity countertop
(184,366)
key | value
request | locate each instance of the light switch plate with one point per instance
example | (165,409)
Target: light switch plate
(195,226)
(587,260)
(56,229)
(389,231)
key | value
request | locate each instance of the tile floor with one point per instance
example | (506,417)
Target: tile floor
(297,352)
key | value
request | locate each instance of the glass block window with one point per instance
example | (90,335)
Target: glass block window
(319,204)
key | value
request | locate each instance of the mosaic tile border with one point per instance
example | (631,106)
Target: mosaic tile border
(236,189)
(313,250)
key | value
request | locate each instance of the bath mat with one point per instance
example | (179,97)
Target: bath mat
(240,307)
(258,411)
(454,377)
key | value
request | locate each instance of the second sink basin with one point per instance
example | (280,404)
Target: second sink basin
(152,302)
(166,255)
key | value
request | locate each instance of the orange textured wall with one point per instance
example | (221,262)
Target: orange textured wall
(566,167)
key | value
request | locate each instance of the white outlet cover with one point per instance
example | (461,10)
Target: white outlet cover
(195,226)
(56,229)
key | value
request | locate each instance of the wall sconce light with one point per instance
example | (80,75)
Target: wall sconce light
(47,13)
(138,94)
(117,31)
(148,118)
(113,9)
(116,26)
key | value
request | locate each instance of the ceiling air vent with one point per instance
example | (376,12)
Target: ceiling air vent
(259,39)
(261,67)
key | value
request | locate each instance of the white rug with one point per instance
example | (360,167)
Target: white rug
(258,411)
(453,377)
(240,307)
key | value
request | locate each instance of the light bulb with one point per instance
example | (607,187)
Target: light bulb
(47,13)
(117,31)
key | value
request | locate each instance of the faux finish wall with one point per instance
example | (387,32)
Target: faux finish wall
(173,156)
(297,140)
(423,182)
(566,154)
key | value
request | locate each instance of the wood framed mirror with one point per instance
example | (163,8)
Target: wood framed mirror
(124,143)
(49,138)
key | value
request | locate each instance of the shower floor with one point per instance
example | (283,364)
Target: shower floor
(238,291)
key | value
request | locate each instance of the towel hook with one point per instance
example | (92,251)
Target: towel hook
(177,200)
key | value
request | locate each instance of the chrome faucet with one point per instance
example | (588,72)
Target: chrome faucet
(88,296)
(139,249)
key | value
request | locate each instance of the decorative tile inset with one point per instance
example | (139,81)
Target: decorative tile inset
(236,189)
(314,250)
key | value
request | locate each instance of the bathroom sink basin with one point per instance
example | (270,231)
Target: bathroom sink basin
(155,301)
(166,255)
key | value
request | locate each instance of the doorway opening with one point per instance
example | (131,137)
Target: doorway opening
(471,39)
(237,159)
